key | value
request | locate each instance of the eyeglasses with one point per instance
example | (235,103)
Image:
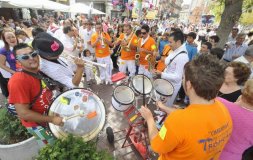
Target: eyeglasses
(143,32)
(27,56)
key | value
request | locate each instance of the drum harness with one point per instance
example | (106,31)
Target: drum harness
(51,84)
(171,60)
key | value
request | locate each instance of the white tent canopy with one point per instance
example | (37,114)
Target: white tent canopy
(82,8)
(34,4)
(49,5)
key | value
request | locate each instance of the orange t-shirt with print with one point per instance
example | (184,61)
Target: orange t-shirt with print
(128,55)
(150,45)
(99,51)
(198,132)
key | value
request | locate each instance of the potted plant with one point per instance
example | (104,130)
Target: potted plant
(73,148)
(15,141)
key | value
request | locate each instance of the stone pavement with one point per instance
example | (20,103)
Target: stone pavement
(116,121)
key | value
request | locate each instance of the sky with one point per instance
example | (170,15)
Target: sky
(187,1)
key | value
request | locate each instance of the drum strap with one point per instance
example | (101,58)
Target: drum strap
(51,84)
(38,95)
(171,60)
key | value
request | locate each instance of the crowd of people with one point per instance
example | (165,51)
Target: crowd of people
(40,56)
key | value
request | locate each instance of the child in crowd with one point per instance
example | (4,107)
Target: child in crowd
(88,71)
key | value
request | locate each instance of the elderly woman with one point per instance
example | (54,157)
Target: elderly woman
(7,58)
(236,74)
(242,115)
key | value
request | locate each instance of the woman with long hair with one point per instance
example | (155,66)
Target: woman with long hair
(7,59)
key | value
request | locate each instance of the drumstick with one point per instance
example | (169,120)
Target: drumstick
(143,92)
(81,114)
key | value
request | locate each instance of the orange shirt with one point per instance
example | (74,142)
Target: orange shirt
(150,45)
(160,66)
(99,51)
(198,132)
(128,55)
(166,50)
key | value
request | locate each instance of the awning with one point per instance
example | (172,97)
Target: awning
(83,8)
(34,4)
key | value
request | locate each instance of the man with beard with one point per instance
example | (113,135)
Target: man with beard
(202,129)
(30,97)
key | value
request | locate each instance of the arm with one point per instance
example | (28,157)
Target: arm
(79,71)
(27,114)
(147,115)
(3,66)
(165,108)
(94,42)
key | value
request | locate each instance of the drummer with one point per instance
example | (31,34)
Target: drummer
(193,133)
(30,98)
(54,66)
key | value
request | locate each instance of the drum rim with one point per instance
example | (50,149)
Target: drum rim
(137,90)
(87,138)
(162,93)
(120,110)
(121,102)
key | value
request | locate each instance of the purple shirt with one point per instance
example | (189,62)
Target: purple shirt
(242,134)
(10,58)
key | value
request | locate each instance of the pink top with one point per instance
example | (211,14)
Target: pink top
(242,134)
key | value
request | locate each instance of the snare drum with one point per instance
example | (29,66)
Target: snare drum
(70,105)
(162,90)
(122,98)
(137,84)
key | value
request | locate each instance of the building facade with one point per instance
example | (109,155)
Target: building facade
(169,8)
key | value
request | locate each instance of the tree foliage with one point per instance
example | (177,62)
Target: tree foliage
(217,8)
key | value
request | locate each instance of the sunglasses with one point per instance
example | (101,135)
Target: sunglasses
(27,56)
(143,32)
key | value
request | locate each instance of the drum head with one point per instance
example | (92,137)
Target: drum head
(72,103)
(163,87)
(137,84)
(123,95)
(120,107)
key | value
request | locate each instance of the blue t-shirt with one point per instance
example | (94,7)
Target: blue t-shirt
(192,50)
(161,45)
(10,58)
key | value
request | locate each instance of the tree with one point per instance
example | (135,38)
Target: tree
(231,14)
(228,13)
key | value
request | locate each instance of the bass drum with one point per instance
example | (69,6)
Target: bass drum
(70,105)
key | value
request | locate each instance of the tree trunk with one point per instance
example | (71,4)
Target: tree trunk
(231,14)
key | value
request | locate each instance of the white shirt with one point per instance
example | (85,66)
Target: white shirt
(59,33)
(68,44)
(174,71)
(1,43)
(62,72)
(234,51)
(86,36)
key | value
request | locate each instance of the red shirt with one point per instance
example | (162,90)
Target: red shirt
(23,88)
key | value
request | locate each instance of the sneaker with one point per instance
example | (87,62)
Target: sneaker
(102,82)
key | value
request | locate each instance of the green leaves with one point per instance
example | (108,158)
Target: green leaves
(11,129)
(72,148)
